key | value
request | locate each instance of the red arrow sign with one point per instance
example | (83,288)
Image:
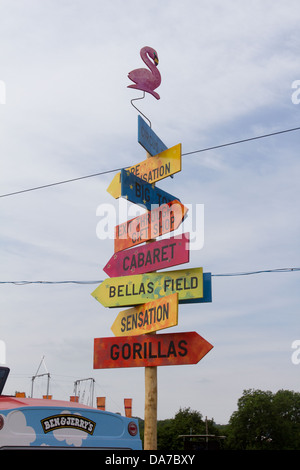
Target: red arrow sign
(150,350)
(151,257)
(152,224)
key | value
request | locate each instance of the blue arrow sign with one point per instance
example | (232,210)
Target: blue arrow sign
(207,291)
(138,191)
(148,139)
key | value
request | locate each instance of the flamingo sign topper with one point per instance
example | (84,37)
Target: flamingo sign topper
(144,79)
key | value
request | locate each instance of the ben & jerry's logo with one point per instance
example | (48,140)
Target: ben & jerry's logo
(68,421)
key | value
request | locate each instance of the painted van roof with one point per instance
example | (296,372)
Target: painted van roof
(8,402)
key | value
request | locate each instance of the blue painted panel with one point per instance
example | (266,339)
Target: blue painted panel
(142,193)
(66,427)
(207,291)
(148,139)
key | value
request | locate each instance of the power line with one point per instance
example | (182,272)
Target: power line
(24,283)
(246,273)
(249,273)
(249,139)
(243,140)
(60,182)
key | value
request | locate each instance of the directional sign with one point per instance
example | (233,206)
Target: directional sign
(207,290)
(152,316)
(148,139)
(152,224)
(152,169)
(150,350)
(141,288)
(138,191)
(150,257)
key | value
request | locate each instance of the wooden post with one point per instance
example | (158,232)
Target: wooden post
(150,417)
(150,426)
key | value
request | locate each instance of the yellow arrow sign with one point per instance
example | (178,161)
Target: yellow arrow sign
(152,169)
(152,316)
(142,288)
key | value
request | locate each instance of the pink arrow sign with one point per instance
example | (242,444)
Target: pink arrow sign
(150,257)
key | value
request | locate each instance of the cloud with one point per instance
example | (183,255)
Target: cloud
(226,72)
(15,430)
(73,437)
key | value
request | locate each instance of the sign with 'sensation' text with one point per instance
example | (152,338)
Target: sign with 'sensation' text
(152,169)
(152,316)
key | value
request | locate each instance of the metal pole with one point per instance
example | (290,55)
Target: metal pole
(40,375)
(48,382)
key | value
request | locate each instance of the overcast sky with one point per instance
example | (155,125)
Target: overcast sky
(227,71)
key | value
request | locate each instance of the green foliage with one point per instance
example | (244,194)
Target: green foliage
(185,421)
(265,421)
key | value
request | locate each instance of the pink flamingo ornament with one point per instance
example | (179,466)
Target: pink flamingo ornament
(147,80)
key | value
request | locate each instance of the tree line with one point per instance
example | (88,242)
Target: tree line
(263,421)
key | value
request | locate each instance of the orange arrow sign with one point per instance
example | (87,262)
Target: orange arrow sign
(150,350)
(152,316)
(152,224)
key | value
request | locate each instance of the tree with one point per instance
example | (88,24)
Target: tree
(185,421)
(265,421)
(286,406)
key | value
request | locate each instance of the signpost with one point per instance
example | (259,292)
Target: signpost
(154,297)
(152,169)
(141,288)
(152,316)
(150,257)
(207,291)
(138,191)
(150,350)
(159,221)
(148,139)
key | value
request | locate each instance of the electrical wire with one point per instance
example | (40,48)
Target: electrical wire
(247,273)
(243,140)
(279,270)
(23,283)
(60,182)
(26,282)
(249,139)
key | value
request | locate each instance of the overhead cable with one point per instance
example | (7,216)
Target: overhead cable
(247,273)
(119,169)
